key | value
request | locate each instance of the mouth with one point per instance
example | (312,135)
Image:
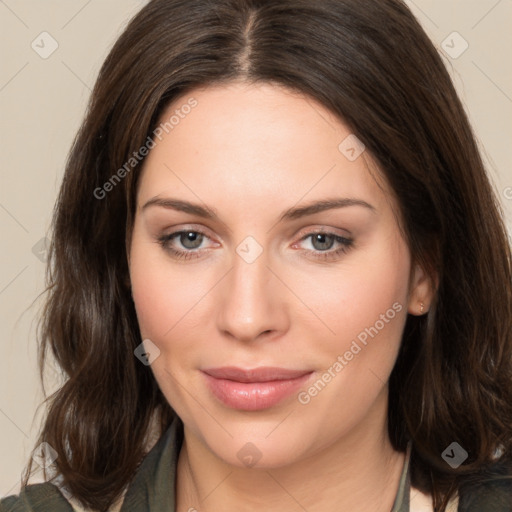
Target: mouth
(254,389)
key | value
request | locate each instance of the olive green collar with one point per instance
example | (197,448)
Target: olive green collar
(151,488)
(401,503)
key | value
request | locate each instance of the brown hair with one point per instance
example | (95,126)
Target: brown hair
(372,65)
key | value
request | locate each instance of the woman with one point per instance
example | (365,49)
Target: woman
(279,278)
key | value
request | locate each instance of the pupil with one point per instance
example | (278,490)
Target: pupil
(321,238)
(192,240)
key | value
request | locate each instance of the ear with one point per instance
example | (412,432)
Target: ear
(421,291)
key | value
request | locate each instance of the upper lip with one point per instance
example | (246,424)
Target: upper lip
(261,374)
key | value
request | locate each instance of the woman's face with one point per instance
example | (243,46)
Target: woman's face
(257,276)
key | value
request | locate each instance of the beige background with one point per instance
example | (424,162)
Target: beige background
(42,102)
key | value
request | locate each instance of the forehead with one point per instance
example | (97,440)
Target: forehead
(253,141)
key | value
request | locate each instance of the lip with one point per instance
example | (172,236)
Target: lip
(254,389)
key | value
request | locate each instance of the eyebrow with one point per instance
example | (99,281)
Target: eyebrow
(290,214)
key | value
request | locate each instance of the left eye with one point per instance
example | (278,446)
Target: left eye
(321,241)
(323,244)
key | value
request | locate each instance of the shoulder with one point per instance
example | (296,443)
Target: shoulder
(35,498)
(151,479)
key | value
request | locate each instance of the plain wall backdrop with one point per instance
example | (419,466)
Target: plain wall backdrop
(50,54)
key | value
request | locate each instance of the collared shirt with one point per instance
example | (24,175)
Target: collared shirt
(150,491)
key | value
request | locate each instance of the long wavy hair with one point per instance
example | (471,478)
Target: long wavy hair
(371,64)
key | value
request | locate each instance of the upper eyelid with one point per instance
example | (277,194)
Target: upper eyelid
(327,230)
(188,229)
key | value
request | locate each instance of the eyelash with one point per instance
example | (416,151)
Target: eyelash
(328,255)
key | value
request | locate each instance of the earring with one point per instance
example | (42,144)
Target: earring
(421,307)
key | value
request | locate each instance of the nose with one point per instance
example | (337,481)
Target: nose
(252,302)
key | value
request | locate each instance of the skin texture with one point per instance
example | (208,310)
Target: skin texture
(250,152)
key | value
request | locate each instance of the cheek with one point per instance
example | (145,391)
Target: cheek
(363,301)
(168,305)
(163,295)
(365,306)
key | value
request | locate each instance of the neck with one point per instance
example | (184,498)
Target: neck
(358,472)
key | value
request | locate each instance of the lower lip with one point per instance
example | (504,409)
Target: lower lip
(254,396)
